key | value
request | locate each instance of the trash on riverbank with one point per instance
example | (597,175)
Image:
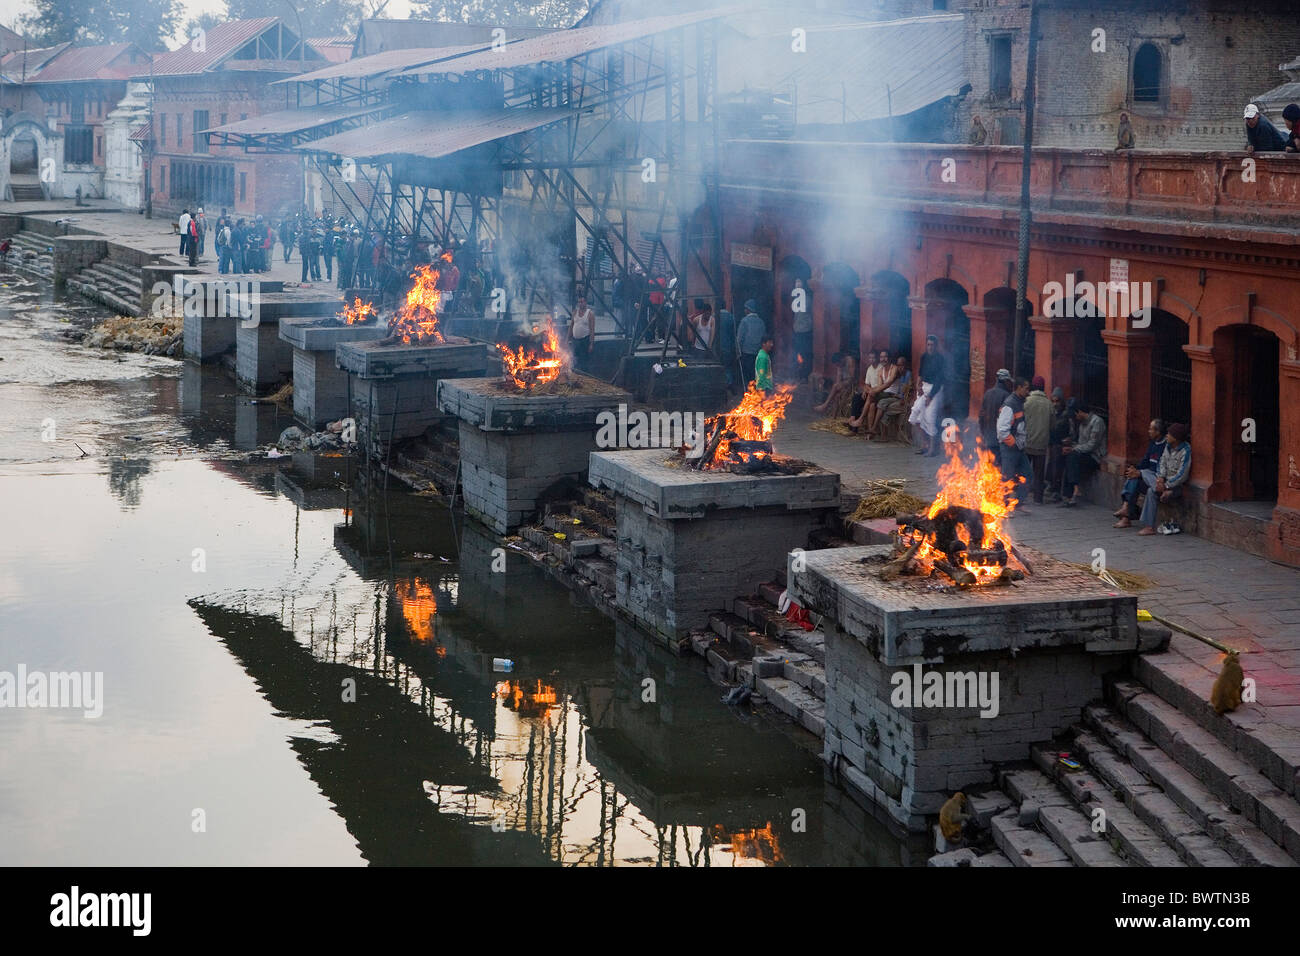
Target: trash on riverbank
(145,334)
(336,436)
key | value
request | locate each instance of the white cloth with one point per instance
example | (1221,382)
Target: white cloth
(925,410)
(581,327)
(704,334)
(875,376)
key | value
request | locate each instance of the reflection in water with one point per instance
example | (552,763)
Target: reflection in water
(369,621)
(124,476)
(442,760)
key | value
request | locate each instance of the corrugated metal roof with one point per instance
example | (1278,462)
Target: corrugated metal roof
(377,64)
(293,121)
(1276,99)
(103,61)
(566,44)
(333,50)
(432,133)
(378,35)
(13,65)
(220,43)
(852,73)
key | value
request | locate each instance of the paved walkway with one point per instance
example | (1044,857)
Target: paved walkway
(1241,600)
(156,235)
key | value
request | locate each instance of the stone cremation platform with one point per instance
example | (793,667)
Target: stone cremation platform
(320,387)
(930,686)
(690,541)
(396,386)
(517,444)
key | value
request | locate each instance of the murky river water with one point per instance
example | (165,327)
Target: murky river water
(297,667)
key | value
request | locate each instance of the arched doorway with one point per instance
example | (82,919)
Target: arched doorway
(792,272)
(1091,358)
(24,144)
(946,300)
(842,312)
(1249,355)
(893,316)
(1171,369)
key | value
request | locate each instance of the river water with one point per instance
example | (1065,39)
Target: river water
(297,665)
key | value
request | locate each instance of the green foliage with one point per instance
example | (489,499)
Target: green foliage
(320,18)
(524,13)
(149,23)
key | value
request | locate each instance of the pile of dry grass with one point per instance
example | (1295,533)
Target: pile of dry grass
(885,498)
(1127,580)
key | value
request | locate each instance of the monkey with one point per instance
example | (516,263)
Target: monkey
(1125,138)
(1226,694)
(953,816)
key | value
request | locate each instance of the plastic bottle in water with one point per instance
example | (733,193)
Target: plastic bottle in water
(503,664)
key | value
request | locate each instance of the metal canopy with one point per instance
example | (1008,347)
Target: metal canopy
(565,44)
(284,122)
(378,64)
(430,134)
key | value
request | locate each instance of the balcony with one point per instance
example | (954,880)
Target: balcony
(1178,193)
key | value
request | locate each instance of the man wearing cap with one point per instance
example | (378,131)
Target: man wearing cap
(1166,483)
(1261,135)
(990,408)
(1038,432)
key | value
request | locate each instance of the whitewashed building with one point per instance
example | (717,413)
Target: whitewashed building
(123,158)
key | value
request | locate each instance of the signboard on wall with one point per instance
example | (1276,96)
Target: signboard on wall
(751,257)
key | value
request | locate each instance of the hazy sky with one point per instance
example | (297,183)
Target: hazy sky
(397,9)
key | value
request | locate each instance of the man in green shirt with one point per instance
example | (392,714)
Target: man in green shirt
(763,366)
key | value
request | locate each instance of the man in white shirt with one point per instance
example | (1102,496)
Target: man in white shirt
(872,384)
(582,333)
(185,232)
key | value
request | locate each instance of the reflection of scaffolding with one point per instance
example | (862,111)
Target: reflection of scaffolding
(611,109)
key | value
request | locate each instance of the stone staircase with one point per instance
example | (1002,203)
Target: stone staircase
(1162,780)
(26,192)
(33,253)
(111,283)
(1153,787)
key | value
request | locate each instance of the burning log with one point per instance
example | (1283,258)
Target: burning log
(534,363)
(746,430)
(896,567)
(959,576)
(711,449)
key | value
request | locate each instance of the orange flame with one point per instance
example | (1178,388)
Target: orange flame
(982,488)
(527,703)
(754,419)
(417,320)
(358,312)
(530,367)
(753,843)
(419,607)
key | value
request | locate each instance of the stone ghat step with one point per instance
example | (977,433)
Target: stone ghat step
(1221,769)
(1168,797)
(110,282)
(1260,743)
(121,271)
(1045,829)
(104,296)
(1126,833)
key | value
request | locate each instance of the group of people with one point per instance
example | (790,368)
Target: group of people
(1050,445)
(1263,137)
(883,391)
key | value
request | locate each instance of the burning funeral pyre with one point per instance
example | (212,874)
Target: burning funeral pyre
(358,313)
(536,362)
(416,322)
(961,535)
(740,441)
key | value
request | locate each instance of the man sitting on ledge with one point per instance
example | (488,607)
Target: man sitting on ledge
(1166,483)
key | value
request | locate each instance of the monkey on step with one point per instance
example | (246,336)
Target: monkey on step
(953,817)
(1226,694)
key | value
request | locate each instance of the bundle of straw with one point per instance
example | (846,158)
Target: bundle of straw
(1124,580)
(885,498)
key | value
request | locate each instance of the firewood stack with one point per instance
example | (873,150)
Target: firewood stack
(941,532)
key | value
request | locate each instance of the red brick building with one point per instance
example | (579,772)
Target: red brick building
(894,252)
(230,78)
